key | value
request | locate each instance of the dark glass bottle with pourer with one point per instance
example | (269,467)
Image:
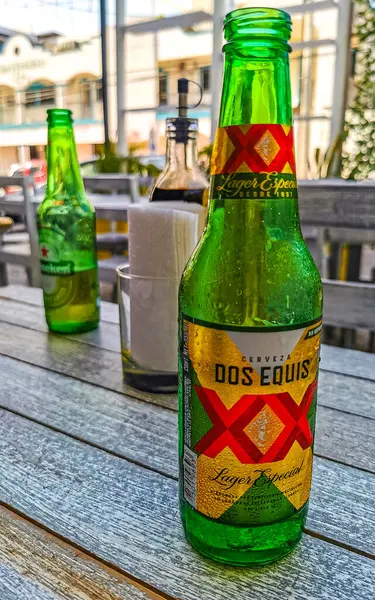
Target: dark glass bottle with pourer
(181,179)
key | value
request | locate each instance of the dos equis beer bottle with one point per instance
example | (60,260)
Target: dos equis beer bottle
(250,318)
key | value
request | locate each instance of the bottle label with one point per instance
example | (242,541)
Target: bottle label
(254,162)
(50,245)
(249,401)
(64,281)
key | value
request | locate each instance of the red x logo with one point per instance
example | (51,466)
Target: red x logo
(228,430)
(245,152)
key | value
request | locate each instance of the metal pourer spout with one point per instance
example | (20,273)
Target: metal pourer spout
(183,90)
(182,124)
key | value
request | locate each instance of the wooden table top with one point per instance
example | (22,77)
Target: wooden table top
(88,478)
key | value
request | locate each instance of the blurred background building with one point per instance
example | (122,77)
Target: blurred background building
(162,40)
(41,72)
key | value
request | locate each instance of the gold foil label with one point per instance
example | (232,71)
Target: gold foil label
(249,416)
(254,149)
(254,162)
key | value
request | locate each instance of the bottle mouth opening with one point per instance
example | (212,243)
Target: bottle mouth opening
(59,115)
(258,26)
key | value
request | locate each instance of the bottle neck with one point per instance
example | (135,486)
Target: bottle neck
(256,88)
(253,164)
(181,156)
(64,177)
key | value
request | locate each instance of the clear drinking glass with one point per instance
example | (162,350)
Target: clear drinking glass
(148,326)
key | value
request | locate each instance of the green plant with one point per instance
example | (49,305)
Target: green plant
(205,156)
(328,163)
(359,156)
(135,147)
(111,162)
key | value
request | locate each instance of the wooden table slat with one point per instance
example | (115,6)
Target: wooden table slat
(107,336)
(346,438)
(81,361)
(130,428)
(128,516)
(123,425)
(34,296)
(346,393)
(102,367)
(36,566)
(339,360)
(95,491)
(349,362)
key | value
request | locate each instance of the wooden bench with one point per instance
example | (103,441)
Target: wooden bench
(108,183)
(348,304)
(25,254)
(107,270)
(114,242)
(340,212)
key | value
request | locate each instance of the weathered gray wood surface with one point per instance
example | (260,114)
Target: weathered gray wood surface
(112,490)
(34,565)
(113,210)
(121,183)
(346,393)
(34,296)
(22,294)
(128,516)
(107,268)
(123,425)
(344,235)
(80,361)
(337,203)
(24,254)
(102,367)
(346,438)
(112,241)
(130,428)
(348,304)
(107,336)
(349,362)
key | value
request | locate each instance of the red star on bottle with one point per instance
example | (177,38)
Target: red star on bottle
(44,251)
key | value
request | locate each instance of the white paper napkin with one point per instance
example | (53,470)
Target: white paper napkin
(161,242)
(191,207)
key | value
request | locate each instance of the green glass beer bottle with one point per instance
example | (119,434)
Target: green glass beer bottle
(250,318)
(67,238)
